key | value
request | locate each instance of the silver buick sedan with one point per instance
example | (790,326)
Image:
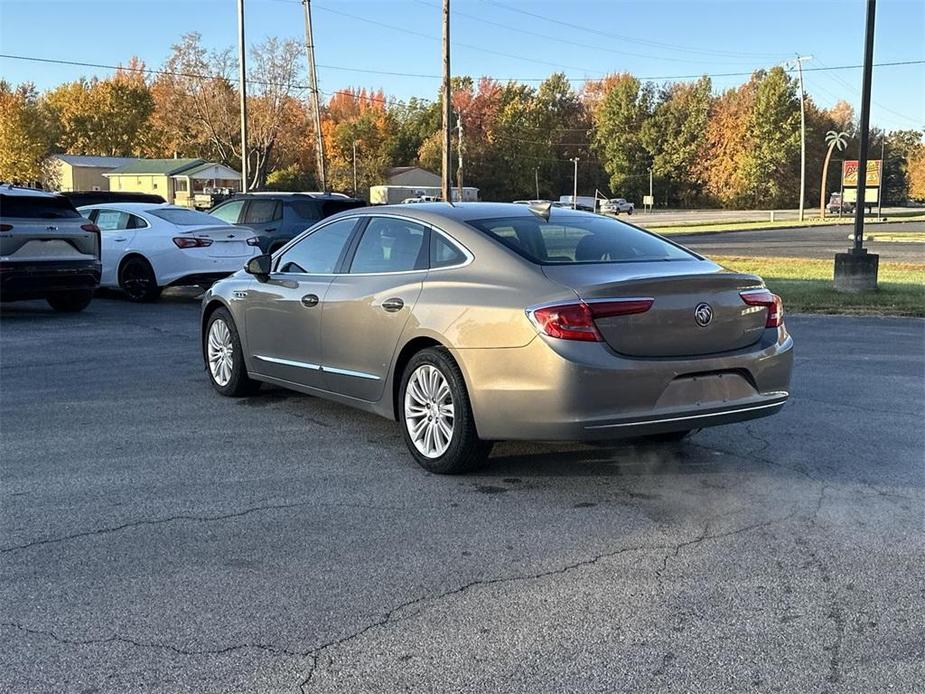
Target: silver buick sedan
(478,322)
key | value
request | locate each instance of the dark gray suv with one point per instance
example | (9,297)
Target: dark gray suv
(277,217)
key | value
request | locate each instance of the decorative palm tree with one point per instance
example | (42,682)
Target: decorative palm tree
(835,139)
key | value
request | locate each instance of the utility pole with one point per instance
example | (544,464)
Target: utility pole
(575,186)
(354,168)
(799,62)
(536,176)
(447,154)
(242,88)
(856,270)
(459,168)
(313,92)
(651,196)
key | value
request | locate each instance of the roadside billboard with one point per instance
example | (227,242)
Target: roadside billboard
(871,195)
(849,173)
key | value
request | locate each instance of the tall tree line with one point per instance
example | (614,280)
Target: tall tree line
(737,148)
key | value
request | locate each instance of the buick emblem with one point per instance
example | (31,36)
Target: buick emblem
(703,314)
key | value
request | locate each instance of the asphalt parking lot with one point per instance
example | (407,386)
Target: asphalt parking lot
(160,538)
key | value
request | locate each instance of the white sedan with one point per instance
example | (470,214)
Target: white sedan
(146,247)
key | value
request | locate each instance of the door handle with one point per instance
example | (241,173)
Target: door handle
(310,300)
(393,304)
(270,230)
(121,238)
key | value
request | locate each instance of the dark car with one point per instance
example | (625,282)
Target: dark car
(79,198)
(278,217)
(47,250)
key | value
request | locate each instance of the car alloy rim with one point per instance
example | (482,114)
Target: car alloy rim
(221,352)
(429,412)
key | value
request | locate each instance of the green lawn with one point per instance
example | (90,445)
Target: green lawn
(669,228)
(806,286)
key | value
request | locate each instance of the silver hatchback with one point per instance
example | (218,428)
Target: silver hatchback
(481,322)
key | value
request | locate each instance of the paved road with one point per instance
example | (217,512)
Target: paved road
(812,242)
(160,538)
(661,216)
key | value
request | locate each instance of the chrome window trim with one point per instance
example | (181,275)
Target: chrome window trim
(452,241)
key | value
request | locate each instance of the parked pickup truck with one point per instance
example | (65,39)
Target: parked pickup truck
(616,206)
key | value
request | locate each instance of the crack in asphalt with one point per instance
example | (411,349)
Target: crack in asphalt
(182,517)
(159,646)
(389,617)
(861,408)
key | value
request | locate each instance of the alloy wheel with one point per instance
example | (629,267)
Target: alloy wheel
(136,281)
(220,352)
(429,412)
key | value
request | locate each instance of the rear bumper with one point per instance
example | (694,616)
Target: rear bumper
(204,279)
(37,280)
(558,390)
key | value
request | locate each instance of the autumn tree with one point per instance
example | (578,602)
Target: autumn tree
(619,114)
(675,136)
(108,117)
(916,174)
(24,136)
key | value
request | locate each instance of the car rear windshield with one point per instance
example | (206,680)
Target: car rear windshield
(579,239)
(36,207)
(185,218)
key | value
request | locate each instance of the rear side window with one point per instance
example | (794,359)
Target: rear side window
(579,239)
(229,212)
(443,253)
(307,210)
(262,211)
(390,245)
(320,251)
(37,207)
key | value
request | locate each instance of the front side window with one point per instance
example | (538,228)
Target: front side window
(111,220)
(320,251)
(579,239)
(390,245)
(261,212)
(229,212)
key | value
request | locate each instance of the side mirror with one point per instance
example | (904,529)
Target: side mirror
(259,266)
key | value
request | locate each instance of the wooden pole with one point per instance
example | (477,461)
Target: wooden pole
(242,88)
(313,93)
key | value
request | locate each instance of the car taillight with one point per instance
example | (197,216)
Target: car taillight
(90,227)
(763,297)
(253,241)
(576,321)
(6,227)
(190,242)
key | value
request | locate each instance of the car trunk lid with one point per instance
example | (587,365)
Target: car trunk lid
(697,308)
(227,241)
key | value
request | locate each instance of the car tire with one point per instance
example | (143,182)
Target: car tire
(72,302)
(629,211)
(224,357)
(138,281)
(433,398)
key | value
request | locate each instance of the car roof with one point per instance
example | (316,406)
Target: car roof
(291,194)
(10,189)
(134,206)
(469,211)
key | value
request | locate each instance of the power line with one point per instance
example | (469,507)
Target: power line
(559,39)
(631,39)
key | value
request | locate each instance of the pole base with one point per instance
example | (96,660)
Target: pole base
(856,271)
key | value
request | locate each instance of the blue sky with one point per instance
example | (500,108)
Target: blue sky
(650,39)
